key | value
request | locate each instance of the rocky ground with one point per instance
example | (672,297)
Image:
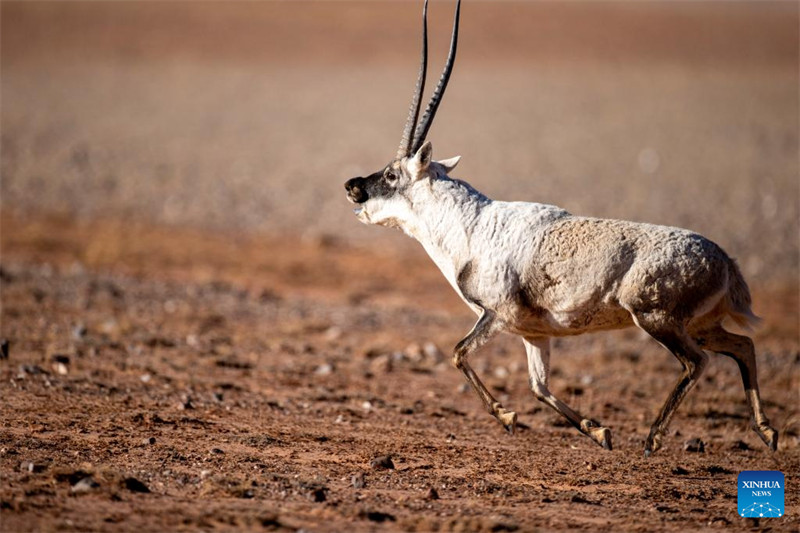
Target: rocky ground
(176,379)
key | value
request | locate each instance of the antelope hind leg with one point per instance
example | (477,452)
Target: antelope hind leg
(742,350)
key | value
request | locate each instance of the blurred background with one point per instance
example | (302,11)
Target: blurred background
(249,116)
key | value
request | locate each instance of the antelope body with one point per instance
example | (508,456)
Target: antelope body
(539,272)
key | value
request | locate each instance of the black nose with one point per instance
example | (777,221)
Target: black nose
(355,190)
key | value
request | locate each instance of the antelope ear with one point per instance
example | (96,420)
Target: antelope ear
(450,164)
(421,161)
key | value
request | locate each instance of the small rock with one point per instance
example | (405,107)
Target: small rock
(149,441)
(79,332)
(500,372)
(204,474)
(145,378)
(694,446)
(186,403)
(248,494)
(358,481)
(577,498)
(85,484)
(590,466)
(4,349)
(324,369)
(432,494)
(384,461)
(33,468)
(679,471)
(433,352)
(333,333)
(60,364)
(414,353)
(134,485)
(740,445)
(381,364)
(716,469)
(33,370)
(377,516)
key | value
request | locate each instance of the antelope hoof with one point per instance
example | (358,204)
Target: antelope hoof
(602,436)
(597,433)
(769,436)
(509,420)
(652,444)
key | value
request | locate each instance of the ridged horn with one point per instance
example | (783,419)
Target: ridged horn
(430,112)
(413,110)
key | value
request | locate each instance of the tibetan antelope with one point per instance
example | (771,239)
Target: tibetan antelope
(539,272)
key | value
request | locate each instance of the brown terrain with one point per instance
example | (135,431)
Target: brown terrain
(202,337)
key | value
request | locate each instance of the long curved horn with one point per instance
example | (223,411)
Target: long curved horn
(430,112)
(413,110)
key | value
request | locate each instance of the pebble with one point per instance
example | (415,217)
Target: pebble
(186,403)
(85,484)
(79,332)
(384,461)
(694,446)
(333,333)
(30,466)
(432,494)
(501,372)
(414,352)
(4,349)
(324,369)
(433,352)
(381,364)
(134,485)
(358,481)
(60,364)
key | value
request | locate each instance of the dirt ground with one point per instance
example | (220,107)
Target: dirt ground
(202,337)
(247,382)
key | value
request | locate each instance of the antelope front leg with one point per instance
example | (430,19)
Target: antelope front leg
(484,329)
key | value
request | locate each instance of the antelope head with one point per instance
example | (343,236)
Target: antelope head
(386,197)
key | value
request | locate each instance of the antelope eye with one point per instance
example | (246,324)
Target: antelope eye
(391,178)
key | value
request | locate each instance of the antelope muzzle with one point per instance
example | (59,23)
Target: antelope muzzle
(356,190)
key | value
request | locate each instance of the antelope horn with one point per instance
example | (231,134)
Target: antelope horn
(413,110)
(430,112)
